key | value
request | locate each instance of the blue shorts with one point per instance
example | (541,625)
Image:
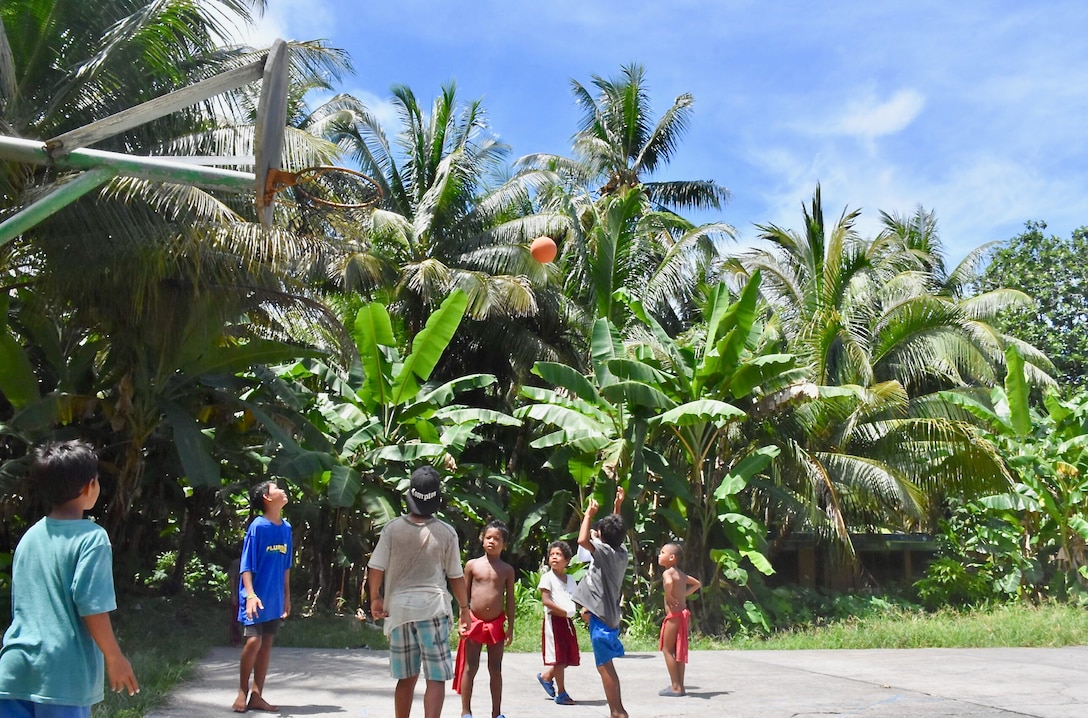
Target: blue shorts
(605,641)
(421,641)
(11,708)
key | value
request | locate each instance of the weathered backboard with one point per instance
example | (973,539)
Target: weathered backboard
(271,123)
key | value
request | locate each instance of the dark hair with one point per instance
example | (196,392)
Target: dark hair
(257,496)
(676,549)
(612,529)
(496,524)
(562,546)
(60,469)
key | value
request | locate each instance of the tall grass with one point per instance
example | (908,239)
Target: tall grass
(1048,625)
(163,638)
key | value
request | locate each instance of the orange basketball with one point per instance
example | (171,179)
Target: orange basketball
(543,249)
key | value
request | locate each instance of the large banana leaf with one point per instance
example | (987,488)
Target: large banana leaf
(444,394)
(757,372)
(637,394)
(428,346)
(605,345)
(194,449)
(584,441)
(699,411)
(595,411)
(472,416)
(568,378)
(407,453)
(564,418)
(373,334)
(17,380)
(1016,390)
(344,485)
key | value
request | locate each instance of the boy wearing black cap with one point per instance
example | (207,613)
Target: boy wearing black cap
(416,556)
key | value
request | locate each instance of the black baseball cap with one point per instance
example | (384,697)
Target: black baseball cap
(424,496)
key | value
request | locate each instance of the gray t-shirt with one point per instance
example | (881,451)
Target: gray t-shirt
(417,559)
(599,591)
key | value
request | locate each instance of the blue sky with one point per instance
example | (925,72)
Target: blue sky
(978,111)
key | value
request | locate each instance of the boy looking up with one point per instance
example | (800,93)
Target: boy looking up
(265,591)
(407,574)
(599,593)
(673,641)
(490,585)
(60,639)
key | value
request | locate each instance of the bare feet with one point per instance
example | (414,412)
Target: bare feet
(257,703)
(240,703)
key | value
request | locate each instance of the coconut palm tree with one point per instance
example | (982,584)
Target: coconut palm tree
(146,282)
(451,219)
(867,316)
(618,142)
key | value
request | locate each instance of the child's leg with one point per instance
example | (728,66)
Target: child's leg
(468,675)
(245,671)
(669,632)
(611,682)
(402,696)
(494,668)
(433,698)
(260,672)
(558,672)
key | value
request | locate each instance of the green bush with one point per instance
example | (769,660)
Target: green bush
(200,579)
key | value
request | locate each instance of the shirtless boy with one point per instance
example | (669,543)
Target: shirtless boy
(490,583)
(674,630)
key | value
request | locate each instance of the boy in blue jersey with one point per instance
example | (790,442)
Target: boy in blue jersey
(60,639)
(264,589)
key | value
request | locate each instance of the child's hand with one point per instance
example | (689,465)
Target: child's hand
(509,635)
(120,675)
(620,496)
(592,506)
(253,604)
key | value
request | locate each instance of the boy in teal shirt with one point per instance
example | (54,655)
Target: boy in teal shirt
(60,640)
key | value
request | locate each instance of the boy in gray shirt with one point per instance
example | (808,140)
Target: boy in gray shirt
(599,593)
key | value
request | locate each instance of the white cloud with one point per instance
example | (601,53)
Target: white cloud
(292,20)
(873,118)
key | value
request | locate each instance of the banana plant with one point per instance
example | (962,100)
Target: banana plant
(1048,454)
(664,415)
(386,417)
(706,388)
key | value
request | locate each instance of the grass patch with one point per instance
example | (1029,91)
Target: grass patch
(1010,625)
(163,638)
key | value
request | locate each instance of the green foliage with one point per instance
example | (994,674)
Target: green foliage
(949,582)
(1033,537)
(1051,271)
(641,623)
(201,580)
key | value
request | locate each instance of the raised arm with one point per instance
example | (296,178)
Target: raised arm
(620,496)
(587,521)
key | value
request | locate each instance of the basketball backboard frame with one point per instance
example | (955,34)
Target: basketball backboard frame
(270,128)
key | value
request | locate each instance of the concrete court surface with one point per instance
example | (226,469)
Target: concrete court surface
(910,683)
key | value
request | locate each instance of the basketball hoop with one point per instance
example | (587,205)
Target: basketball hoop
(331,187)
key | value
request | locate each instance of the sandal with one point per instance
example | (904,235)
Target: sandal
(548,686)
(564,699)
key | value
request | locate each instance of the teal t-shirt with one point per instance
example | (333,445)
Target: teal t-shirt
(63,570)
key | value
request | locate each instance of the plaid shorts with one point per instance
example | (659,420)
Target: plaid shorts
(428,641)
